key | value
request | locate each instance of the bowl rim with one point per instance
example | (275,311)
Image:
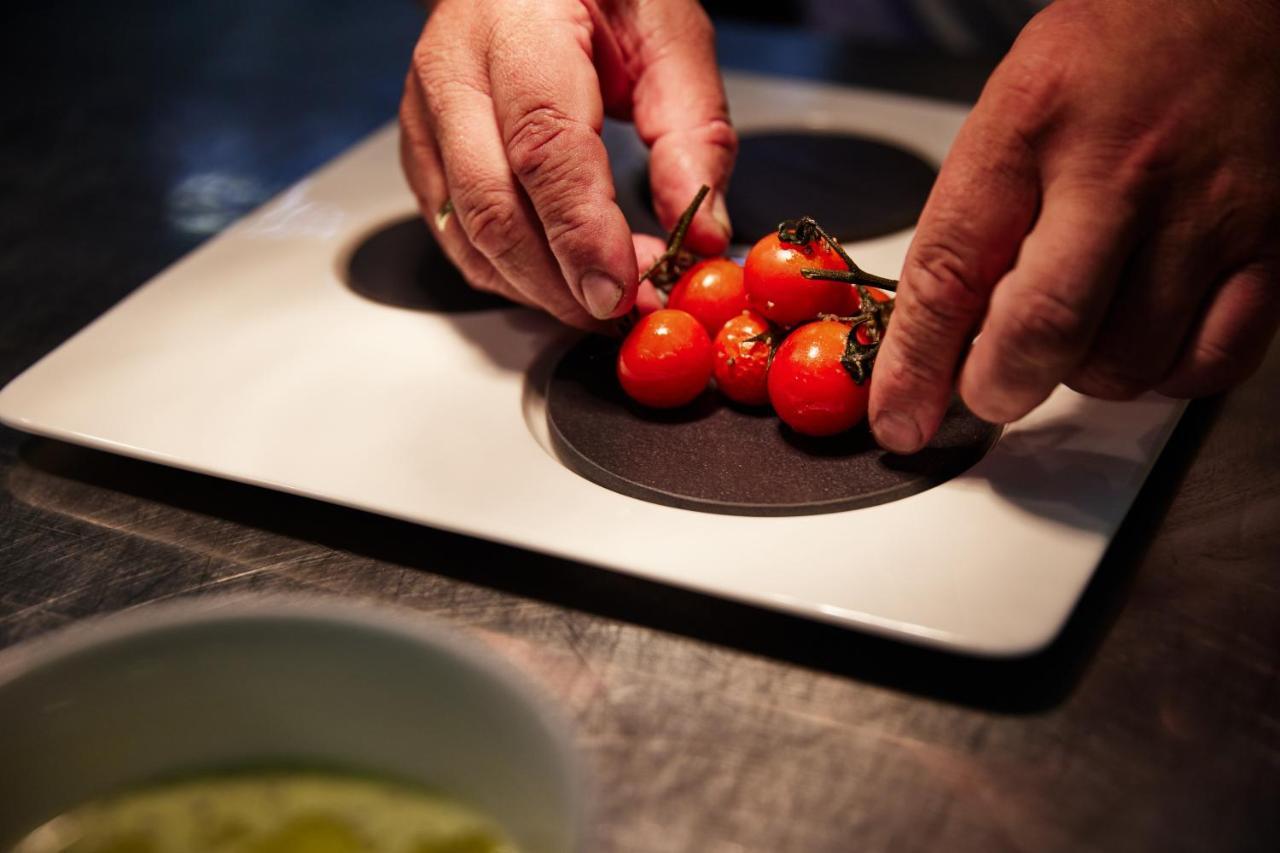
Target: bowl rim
(99,631)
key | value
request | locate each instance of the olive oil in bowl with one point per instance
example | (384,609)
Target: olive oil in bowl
(271,812)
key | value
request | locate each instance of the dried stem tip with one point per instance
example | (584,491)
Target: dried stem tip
(672,263)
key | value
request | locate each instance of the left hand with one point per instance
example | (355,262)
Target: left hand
(501,117)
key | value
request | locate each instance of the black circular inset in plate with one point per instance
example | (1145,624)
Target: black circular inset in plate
(715,457)
(856,187)
(401,265)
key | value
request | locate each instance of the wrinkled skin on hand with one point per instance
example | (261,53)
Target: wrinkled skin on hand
(1108,218)
(502,114)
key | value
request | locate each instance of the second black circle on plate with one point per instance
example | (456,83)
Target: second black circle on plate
(715,457)
(855,186)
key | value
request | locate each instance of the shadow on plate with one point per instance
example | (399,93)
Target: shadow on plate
(1024,685)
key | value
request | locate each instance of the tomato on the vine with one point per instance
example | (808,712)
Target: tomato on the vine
(776,288)
(741,365)
(665,361)
(809,386)
(712,291)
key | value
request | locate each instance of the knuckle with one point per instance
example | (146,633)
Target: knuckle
(424,54)
(1027,91)
(485,283)
(1237,211)
(491,219)
(907,369)
(1042,326)
(1137,156)
(541,143)
(721,134)
(572,226)
(1109,382)
(699,23)
(484,278)
(1214,368)
(685,25)
(430,58)
(942,288)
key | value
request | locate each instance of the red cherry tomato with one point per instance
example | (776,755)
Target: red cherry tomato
(741,366)
(665,360)
(776,289)
(809,387)
(712,291)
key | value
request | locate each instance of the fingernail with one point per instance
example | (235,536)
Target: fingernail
(720,213)
(896,432)
(601,293)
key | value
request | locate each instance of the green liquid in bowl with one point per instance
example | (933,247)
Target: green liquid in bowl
(271,813)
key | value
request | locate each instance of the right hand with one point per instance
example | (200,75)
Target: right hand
(502,114)
(1108,218)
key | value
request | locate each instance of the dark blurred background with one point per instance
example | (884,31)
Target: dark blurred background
(962,27)
(131,131)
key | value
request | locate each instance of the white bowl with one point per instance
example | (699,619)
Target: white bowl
(219,682)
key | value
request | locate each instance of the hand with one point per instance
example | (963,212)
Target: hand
(502,114)
(1111,207)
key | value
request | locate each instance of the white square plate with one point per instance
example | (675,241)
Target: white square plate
(250,359)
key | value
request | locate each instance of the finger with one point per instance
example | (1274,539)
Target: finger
(648,248)
(490,207)
(420,161)
(981,206)
(681,113)
(1045,313)
(1231,338)
(548,105)
(419,158)
(1153,310)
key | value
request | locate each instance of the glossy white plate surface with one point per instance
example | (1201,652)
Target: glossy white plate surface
(251,359)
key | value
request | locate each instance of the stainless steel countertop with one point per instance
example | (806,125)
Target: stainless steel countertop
(1152,723)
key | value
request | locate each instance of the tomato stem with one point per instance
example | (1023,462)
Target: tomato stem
(858,357)
(806,230)
(853,276)
(772,337)
(672,263)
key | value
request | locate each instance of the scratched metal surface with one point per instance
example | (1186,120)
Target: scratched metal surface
(1153,724)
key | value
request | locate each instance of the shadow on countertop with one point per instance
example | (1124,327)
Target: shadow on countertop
(1023,685)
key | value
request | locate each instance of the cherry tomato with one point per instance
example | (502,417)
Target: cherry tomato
(809,387)
(776,289)
(712,291)
(665,360)
(741,365)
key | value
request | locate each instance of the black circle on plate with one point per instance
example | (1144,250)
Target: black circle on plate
(400,264)
(855,186)
(715,457)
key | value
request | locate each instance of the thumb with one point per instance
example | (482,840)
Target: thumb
(981,207)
